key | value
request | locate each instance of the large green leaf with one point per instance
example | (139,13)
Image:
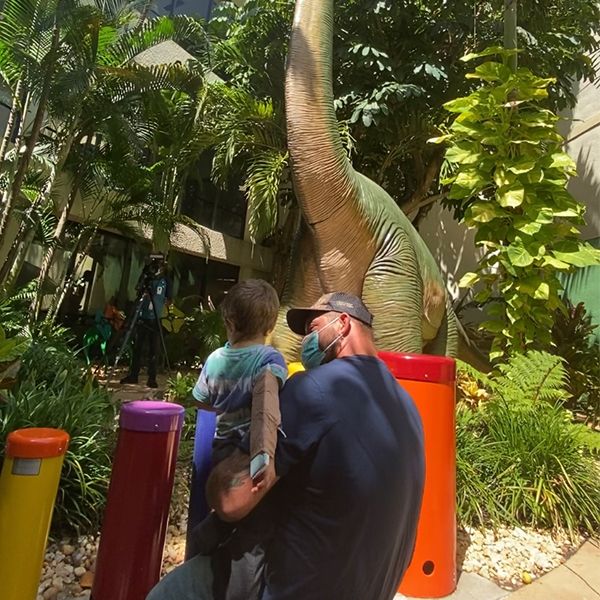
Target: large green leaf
(491,71)
(483,212)
(583,256)
(464,154)
(519,256)
(511,196)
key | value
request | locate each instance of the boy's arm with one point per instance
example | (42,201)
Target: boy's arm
(265,421)
(201,392)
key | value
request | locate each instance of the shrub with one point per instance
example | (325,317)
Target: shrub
(202,333)
(573,339)
(54,390)
(520,459)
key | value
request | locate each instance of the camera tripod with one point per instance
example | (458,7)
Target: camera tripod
(144,292)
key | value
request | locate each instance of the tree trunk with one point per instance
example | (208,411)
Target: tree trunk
(51,251)
(12,117)
(14,189)
(510,31)
(42,197)
(6,208)
(16,264)
(68,278)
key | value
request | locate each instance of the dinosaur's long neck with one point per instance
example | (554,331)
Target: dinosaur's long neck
(323,176)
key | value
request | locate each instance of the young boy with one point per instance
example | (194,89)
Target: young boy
(241,382)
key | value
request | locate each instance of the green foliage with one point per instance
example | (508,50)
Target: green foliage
(508,174)
(520,459)
(13,309)
(572,337)
(11,348)
(180,387)
(247,137)
(202,333)
(531,378)
(397,63)
(55,391)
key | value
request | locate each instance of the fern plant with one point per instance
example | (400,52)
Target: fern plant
(520,459)
(530,378)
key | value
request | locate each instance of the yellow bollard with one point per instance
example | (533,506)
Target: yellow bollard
(28,486)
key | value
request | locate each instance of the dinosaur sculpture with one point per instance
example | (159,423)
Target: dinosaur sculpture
(354,237)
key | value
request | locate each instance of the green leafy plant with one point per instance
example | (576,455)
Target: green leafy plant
(520,459)
(507,174)
(54,390)
(202,333)
(572,336)
(13,309)
(179,388)
(531,378)
(11,349)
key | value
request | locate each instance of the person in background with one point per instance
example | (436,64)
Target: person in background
(154,288)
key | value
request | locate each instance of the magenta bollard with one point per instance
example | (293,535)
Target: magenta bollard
(137,510)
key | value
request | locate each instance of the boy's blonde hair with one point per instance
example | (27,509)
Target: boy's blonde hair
(250,309)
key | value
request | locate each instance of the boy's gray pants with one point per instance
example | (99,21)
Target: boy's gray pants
(193,580)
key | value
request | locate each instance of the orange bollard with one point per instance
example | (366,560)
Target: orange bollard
(431,382)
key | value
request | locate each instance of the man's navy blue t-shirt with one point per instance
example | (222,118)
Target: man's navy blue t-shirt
(352,468)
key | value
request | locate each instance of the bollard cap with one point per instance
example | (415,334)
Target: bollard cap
(421,367)
(36,442)
(151,416)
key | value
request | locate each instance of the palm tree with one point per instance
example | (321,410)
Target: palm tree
(29,51)
(89,90)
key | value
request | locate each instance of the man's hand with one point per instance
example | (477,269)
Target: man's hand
(231,492)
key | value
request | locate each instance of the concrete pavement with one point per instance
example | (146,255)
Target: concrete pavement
(577,579)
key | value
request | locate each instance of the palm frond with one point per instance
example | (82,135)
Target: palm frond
(263,181)
(181,30)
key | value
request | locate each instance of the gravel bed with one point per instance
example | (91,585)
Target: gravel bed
(508,556)
(515,556)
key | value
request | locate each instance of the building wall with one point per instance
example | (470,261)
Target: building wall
(581,128)
(196,8)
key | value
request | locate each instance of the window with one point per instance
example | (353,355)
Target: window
(221,210)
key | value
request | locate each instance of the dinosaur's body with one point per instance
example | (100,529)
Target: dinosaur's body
(355,238)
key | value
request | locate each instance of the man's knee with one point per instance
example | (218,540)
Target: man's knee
(190,581)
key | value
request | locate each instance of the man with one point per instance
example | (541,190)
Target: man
(154,288)
(349,472)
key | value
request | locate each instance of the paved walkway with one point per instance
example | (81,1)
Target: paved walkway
(140,391)
(577,579)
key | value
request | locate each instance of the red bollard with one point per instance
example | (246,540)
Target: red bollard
(135,521)
(431,382)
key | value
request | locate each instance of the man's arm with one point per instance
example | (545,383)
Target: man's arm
(230,490)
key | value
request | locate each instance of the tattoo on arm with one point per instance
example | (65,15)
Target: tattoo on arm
(236,480)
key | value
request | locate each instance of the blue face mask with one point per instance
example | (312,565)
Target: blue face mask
(312,355)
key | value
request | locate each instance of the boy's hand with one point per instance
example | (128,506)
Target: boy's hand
(229,489)
(264,479)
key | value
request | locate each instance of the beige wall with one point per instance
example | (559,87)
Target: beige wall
(214,245)
(581,128)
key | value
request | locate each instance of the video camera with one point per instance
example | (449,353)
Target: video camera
(153,268)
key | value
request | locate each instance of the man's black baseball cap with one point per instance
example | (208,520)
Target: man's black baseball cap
(340,302)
